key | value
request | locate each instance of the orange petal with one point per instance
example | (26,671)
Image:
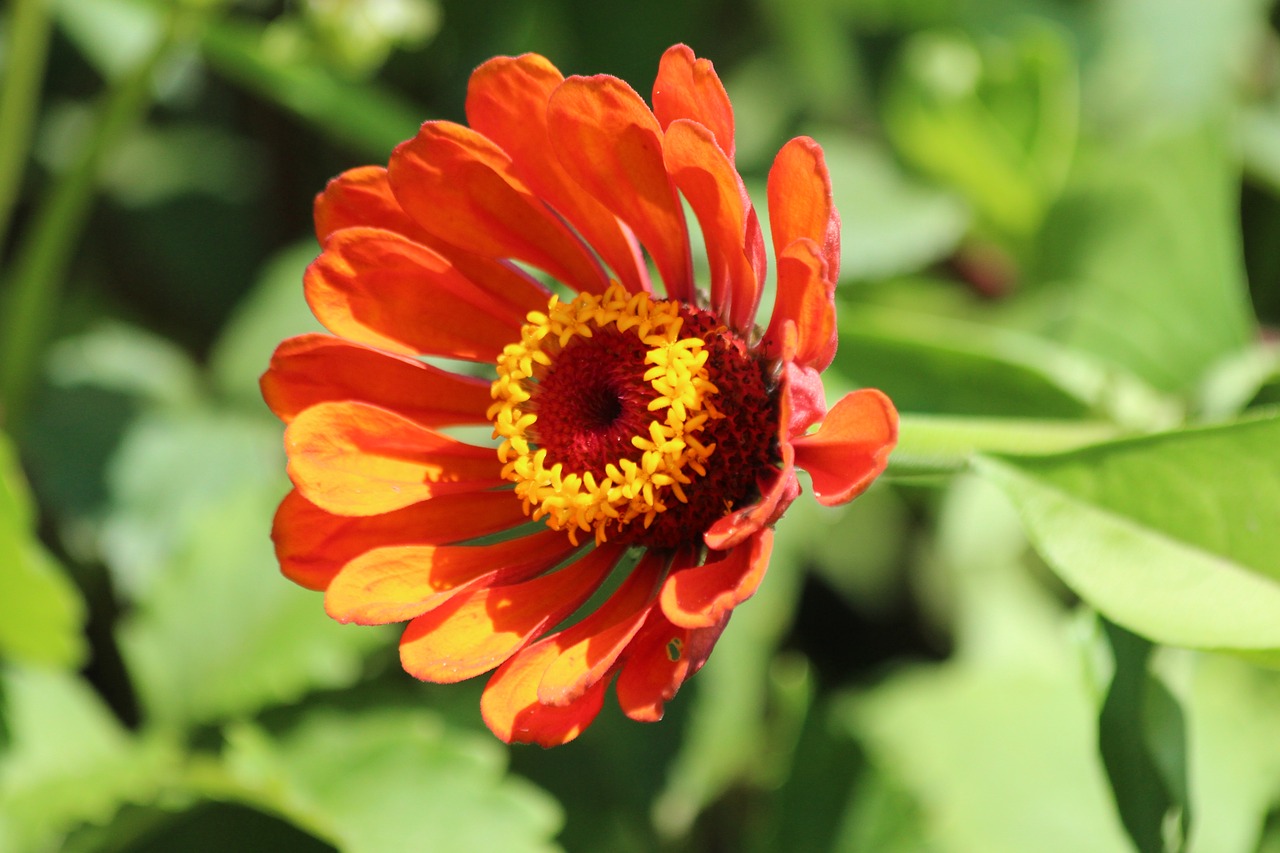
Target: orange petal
(735,246)
(800,202)
(806,297)
(362,197)
(701,596)
(312,545)
(398,582)
(351,458)
(690,88)
(659,660)
(315,368)
(458,185)
(589,649)
(479,630)
(510,707)
(507,102)
(851,447)
(382,289)
(611,144)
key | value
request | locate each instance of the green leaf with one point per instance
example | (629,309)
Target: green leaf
(215,630)
(1170,535)
(41,611)
(274,310)
(1148,792)
(389,780)
(363,115)
(1148,241)
(68,762)
(996,120)
(891,224)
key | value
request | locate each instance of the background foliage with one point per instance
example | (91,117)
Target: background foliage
(1053,627)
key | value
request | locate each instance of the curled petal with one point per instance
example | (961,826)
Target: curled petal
(611,144)
(355,459)
(382,289)
(702,596)
(477,631)
(312,545)
(315,368)
(777,490)
(689,88)
(659,660)
(706,177)
(362,198)
(459,186)
(806,299)
(507,101)
(801,204)
(851,447)
(398,582)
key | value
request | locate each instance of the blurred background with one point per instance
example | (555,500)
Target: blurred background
(1053,209)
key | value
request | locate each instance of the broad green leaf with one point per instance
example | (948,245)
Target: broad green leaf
(390,780)
(1148,243)
(41,611)
(215,630)
(1172,535)
(68,761)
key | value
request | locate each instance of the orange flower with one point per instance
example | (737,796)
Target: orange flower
(651,437)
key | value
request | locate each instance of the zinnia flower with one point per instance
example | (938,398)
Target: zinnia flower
(645,437)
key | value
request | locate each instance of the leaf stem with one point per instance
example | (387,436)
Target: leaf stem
(931,445)
(29,27)
(35,279)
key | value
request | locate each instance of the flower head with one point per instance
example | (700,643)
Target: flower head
(645,427)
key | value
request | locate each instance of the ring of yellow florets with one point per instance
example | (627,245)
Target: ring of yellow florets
(627,489)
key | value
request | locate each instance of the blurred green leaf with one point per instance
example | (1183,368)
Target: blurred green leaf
(41,612)
(68,762)
(1234,755)
(1170,535)
(390,780)
(274,310)
(214,630)
(1133,736)
(996,119)
(933,364)
(362,115)
(996,746)
(1149,243)
(890,224)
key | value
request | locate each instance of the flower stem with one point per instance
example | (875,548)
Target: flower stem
(28,44)
(34,281)
(931,445)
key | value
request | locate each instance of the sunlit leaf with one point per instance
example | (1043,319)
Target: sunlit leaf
(1172,536)
(68,760)
(393,779)
(41,611)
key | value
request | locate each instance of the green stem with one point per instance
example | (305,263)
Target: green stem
(930,445)
(35,280)
(28,44)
